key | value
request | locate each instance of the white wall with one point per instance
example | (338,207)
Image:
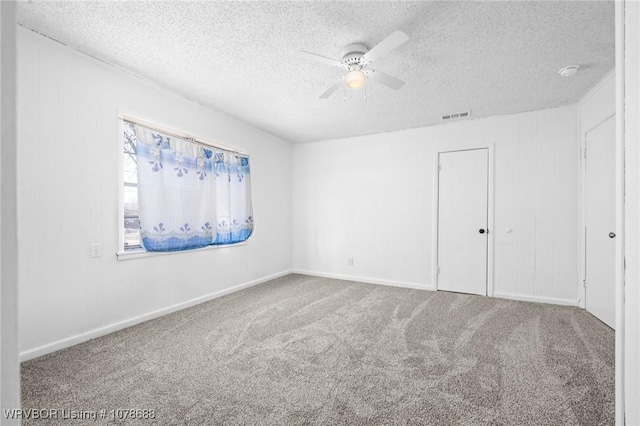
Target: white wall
(370,198)
(68,182)
(9,366)
(598,105)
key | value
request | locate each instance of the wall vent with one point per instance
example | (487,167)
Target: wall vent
(456,115)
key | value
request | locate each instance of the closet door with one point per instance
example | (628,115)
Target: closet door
(462,221)
(600,221)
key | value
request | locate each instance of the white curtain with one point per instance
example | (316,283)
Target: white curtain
(234,216)
(189,195)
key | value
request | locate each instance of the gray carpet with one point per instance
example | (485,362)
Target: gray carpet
(306,350)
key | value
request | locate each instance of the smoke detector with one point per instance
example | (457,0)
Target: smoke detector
(569,71)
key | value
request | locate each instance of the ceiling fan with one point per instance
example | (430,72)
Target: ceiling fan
(356,59)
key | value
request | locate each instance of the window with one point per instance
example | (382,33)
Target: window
(131,219)
(180,193)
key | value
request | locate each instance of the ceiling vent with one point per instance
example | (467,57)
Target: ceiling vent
(456,115)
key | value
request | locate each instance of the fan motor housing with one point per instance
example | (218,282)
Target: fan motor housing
(352,54)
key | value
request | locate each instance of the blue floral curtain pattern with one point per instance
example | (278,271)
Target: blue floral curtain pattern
(190,196)
(234,220)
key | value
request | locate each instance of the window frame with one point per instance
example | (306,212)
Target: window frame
(140,252)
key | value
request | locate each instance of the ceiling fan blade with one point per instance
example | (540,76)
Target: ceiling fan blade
(332,89)
(323,59)
(385,46)
(387,80)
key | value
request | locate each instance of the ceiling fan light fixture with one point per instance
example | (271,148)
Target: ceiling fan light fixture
(356,59)
(569,71)
(355,79)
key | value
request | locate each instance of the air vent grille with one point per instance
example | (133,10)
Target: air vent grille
(456,115)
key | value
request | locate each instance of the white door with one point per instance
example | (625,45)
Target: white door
(600,221)
(462,221)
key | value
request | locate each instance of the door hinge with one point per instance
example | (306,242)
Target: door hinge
(584,283)
(439,167)
(437,270)
(584,153)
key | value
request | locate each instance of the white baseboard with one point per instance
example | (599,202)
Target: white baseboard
(92,334)
(367,280)
(524,298)
(537,299)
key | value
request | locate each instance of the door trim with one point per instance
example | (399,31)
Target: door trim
(442,148)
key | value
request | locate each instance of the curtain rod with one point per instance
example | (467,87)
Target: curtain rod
(181,135)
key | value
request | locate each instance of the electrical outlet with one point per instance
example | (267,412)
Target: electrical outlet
(96,250)
(351,261)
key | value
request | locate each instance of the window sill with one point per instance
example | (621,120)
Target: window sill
(140,253)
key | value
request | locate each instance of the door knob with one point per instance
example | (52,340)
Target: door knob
(612,235)
(482,231)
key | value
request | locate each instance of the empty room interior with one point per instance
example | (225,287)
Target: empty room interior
(316,212)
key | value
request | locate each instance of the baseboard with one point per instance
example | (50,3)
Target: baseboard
(367,280)
(537,299)
(92,334)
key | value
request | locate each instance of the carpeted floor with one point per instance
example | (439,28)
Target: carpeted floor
(307,350)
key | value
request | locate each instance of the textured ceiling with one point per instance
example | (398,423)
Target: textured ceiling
(241,58)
